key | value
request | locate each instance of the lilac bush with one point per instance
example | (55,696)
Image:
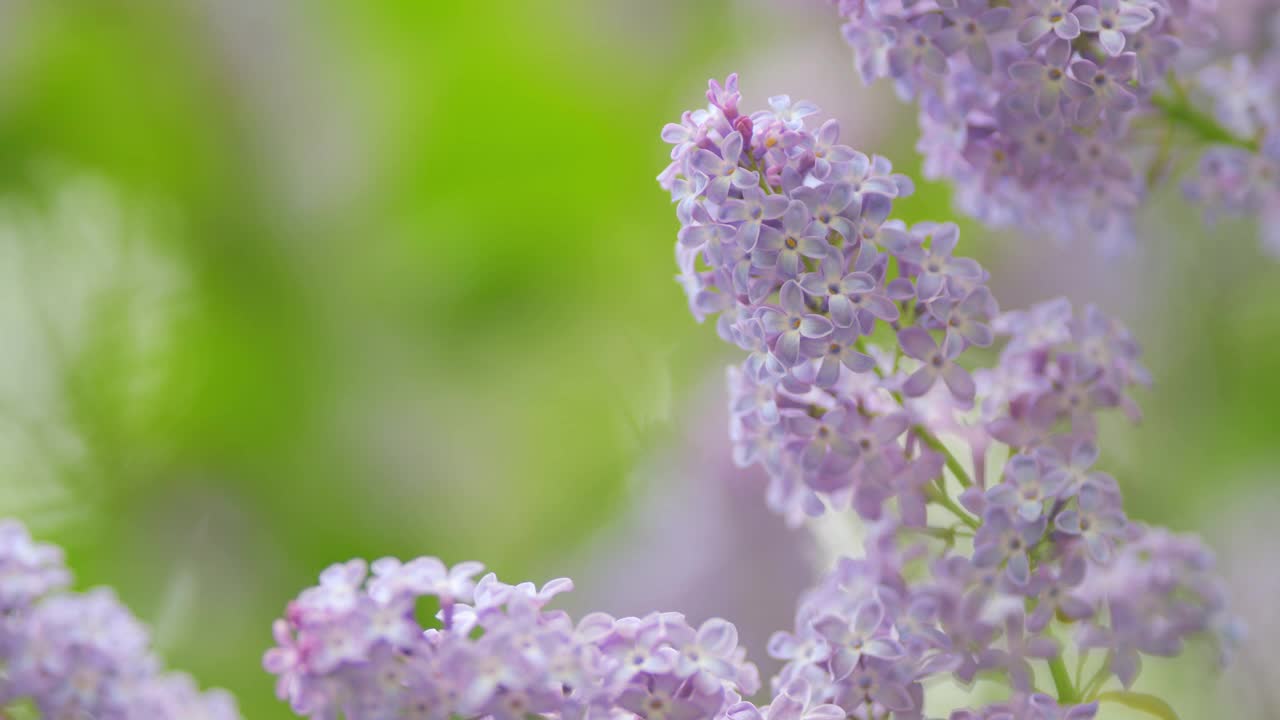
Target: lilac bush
(861,393)
(72,655)
(881,381)
(887,414)
(1061,115)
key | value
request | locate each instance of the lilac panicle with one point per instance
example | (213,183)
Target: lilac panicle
(1038,111)
(858,393)
(353,647)
(807,272)
(28,571)
(72,655)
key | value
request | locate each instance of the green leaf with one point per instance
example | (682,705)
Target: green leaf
(1149,704)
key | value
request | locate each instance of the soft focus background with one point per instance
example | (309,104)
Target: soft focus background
(284,283)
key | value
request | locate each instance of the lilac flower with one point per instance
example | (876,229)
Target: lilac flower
(1047,16)
(1042,326)
(1244,95)
(826,207)
(935,362)
(973,21)
(725,98)
(851,640)
(1070,473)
(749,395)
(709,657)
(28,570)
(871,436)
(1045,79)
(967,318)
(1155,55)
(1167,585)
(1111,19)
(76,655)
(831,283)
(666,697)
(1099,89)
(937,266)
(796,701)
(1121,640)
(918,629)
(723,171)
(424,576)
(791,114)
(917,48)
(877,682)
(1004,541)
(910,487)
(969,632)
(175,695)
(1096,520)
(803,650)
(701,233)
(837,350)
(1077,389)
(1019,648)
(874,186)
(751,211)
(827,152)
(822,441)
(1056,593)
(1025,490)
(874,303)
(799,238)
(791,322)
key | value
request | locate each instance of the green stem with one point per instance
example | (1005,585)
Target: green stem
(953,464)
(1084,658)
(1096,682)
(1067,694)
(1181,113)
(939,496)
(947,535)
(755,167)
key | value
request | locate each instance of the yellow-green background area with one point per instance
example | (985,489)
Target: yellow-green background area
(421,292)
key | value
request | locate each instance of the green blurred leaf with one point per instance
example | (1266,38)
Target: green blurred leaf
(1149,704)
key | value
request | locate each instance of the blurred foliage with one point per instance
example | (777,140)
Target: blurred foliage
(394,278)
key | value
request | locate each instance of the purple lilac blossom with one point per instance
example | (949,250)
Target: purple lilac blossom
(1038,111)
(822,283)
(1241,181)
(353,647)
(844,410)
(1035,706)
(71,655)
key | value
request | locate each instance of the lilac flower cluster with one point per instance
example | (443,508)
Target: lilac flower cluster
(1235,180)
(1055,115)
(352,647)
(856,372)
(73,655)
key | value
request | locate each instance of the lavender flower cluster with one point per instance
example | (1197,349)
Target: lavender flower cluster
(69,655)
(1059,115)
(855,327)
(352,647)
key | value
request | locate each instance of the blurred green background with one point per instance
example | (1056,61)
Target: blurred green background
(286,283)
